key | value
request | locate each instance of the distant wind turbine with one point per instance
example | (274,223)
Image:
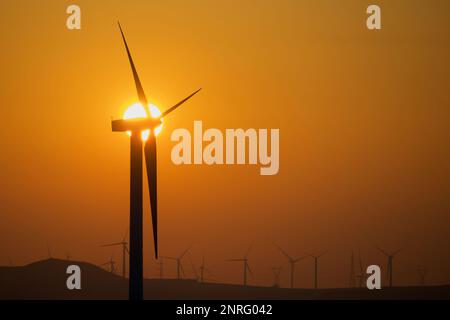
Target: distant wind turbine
(245,265)
(390,257)
(204,271)
(361,275)
(124,245)
(194,269)
(316,262)
(180,268)
(352,277)
(292,262)
(276,273)
(423,272)
(111,264)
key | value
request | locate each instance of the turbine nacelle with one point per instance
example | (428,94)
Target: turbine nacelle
(135,125)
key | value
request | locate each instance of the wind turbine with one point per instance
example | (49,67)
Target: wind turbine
(361,274)
(125,250)
(111,264)
(180,268)
(390,257)
(203,271)
(351,283)
(136,126)
(292,262)
(316,263)
(161,268)
(194,270)
(245,265)
(276,273)
(423,272)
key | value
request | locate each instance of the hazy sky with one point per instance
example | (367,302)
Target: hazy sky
(363,116)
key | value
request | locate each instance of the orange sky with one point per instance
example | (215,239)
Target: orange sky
(363,119)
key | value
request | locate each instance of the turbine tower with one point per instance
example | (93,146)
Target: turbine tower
(180,268)
(136,126)
(352,278)
(203,271)
(125,250)
(361,274)
(194,270)
(316,263)
(292,262)
(245,265)
(276,273)
(161,268)
(390,258)
(423,272)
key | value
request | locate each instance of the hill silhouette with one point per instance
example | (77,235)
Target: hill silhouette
(46,279)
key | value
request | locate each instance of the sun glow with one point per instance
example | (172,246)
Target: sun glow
(136,111)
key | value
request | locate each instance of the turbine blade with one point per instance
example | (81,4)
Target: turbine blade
(193,267)
(326,251)
(397,251)
(185,251)
(382,251)
(170,258)
(234,260)
(126,234)
(165,113)
(150,161)
(112,244)
(137,81)
(301,258)
(248,250)
(283,252)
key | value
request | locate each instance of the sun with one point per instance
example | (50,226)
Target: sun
(136,111)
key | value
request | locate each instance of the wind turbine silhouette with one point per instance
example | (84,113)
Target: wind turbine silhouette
(194,270)
(161,268)
(422,275)
(180,268)
(390,257)
(292,262)
(276,273)
(125,250)
(351,283)
(245,264)
(111,264)
(316,262)
(136,126)
(361,275)
(204,270)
